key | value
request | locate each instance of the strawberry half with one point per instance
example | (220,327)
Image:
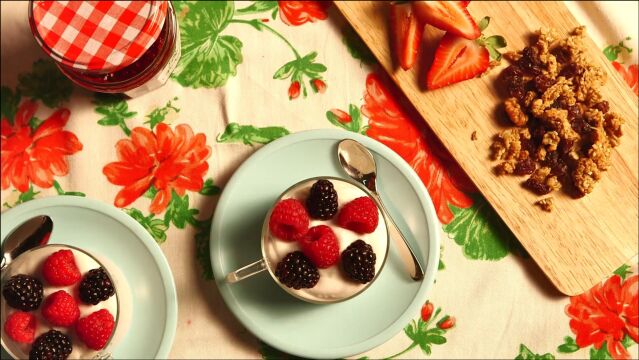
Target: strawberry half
(456,59)
(450,16)
(407,33)
(464,3)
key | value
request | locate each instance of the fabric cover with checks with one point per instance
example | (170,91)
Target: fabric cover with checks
(97,35)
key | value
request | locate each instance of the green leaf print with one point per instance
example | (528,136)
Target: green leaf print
(208,58)
(356,47)
(159,114)
(569,346)
(156,227)
(258,7)
(601,354)
(210,189)
(612,51)
(9,102)
(623,271)
(424,335)
(28,195)
(480,232)
(300,68)
(45,82)
(202,249)
(60,191)
(34,123)
(526,354)
(250,135)
(179,213)
(114,110)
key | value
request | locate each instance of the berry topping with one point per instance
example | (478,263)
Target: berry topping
(358,262)
(95,330)
(60,269)
(457,59)
(320,245)
(52,345)
(96,286)
(289,220)
(20,326)
(297,271)
(23,292)
(360,215)
(322,201)
(60,309)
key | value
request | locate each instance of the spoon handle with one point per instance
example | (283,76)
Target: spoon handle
(405,252)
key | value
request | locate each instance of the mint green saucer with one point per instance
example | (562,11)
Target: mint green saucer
(106,231)
(294,326)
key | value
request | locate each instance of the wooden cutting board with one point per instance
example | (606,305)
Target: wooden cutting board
(582,241)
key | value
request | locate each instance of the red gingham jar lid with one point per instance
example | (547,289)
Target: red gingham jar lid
(101,36)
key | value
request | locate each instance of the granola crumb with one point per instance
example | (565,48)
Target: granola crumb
(473,135)
(563,131)
(546,204)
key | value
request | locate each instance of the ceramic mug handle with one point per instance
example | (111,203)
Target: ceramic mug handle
(247,271)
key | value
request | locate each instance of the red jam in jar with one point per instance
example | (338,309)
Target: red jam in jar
(126,47)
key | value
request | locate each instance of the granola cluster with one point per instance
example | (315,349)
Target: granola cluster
(564,131)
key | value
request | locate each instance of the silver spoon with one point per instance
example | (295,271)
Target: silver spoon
(28,235)
(359,164)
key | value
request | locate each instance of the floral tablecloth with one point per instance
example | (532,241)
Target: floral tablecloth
(250,73)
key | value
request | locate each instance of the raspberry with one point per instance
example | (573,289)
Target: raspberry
(21,326)
(289,220)
(96,286)
(358,262)
(322,200)
(52,345)
(297,271)
(360,215)
(95,330)
(23,292)
(61,309)
(321,246)
(60,269)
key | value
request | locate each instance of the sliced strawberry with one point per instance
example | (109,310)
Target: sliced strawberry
(464,3)
(407,34)
(456,59)
(450,16)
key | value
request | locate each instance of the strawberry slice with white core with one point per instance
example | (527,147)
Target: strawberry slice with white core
(407,33)
(456,59)
(450,16)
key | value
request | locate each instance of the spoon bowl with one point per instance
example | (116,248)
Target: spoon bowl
(30,234)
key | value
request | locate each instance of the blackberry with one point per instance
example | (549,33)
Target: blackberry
(23,292)
(322,201)
(96,286)
(52,345)
(358,261)
(297,271)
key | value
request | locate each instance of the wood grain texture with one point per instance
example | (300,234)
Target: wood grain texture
(581,241)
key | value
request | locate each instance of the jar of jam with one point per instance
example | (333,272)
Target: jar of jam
(126,47)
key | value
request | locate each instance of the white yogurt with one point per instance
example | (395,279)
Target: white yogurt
(31,264)
(333,284)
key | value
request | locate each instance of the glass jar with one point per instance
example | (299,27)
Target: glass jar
(103,57)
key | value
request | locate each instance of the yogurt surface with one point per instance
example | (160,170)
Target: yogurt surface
(333,283)
(31,264)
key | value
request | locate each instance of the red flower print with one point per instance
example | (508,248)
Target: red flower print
(169,160)
(630,75)
(294,90)
(607,312)
(341,116)
(318,86)
(446,322)
(391,125)
(300,12)
(35,156)
(427,311)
